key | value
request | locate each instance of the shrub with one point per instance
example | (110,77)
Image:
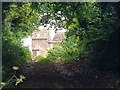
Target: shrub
(55,53)
(38,58)
(42,61)
(71,49)
(13,54)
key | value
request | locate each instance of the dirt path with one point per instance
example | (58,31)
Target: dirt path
(38,76)
(62,75)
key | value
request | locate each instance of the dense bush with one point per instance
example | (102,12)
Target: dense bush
(38,58)
(106,54)
(44,62)
(71,49)
(17,22)
(13,53)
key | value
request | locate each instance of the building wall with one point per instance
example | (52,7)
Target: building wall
(41,45)
(52,34)
(40,42)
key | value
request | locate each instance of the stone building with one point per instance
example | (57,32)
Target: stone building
(39,43)
(44,39)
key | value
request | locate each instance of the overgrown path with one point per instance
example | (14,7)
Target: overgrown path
(65,75)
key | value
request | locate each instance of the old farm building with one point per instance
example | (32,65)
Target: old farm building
(42,40)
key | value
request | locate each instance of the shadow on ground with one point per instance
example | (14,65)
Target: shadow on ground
(66,75)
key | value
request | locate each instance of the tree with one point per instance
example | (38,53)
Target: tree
(96,23)
(19,20)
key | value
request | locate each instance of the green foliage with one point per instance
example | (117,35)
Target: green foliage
(43,61)
(71,49)
(90,26)
(55,53)
(86,20)
(38,58)
(14,53)
(93,23)
(19,20)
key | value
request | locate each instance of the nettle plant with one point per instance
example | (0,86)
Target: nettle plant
(14,79)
